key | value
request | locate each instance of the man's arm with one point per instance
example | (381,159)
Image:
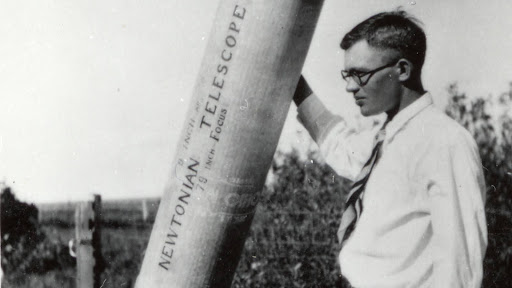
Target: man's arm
(452,176)
(343,148)
(315,117)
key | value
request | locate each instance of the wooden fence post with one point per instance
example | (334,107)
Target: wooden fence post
(88,243)
(96,242)
(84,251)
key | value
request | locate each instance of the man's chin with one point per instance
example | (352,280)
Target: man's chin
(365,112)
(368,113)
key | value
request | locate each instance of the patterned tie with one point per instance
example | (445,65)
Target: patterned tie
(354,203)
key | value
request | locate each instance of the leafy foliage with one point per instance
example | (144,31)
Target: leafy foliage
(293,238)
(493,134)
(25,247)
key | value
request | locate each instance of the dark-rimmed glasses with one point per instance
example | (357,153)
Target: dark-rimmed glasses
(362,78)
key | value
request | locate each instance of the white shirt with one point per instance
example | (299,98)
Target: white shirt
(423,221)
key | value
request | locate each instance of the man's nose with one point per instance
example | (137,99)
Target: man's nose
(352,86)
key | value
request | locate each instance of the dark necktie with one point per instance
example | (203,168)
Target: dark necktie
(354,203)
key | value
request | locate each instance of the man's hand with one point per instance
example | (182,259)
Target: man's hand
(302,91)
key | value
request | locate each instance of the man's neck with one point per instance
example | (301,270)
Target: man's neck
(408,97)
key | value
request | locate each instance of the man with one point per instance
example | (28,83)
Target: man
(415,216)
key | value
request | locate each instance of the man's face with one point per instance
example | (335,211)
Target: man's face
(383,90)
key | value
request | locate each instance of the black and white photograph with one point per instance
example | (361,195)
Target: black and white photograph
(256,143)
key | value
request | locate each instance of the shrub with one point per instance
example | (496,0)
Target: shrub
(20,234)
(293,242)
(25,247)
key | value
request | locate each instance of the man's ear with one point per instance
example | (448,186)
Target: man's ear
(405,70)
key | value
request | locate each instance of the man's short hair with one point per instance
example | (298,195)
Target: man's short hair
(394,30)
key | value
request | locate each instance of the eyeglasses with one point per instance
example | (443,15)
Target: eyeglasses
(362,78)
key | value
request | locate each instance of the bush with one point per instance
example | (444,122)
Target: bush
(20,234)
(293,241)
(25,247)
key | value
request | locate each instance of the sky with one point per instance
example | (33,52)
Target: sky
(93,94)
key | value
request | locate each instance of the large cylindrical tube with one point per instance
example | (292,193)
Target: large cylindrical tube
(251,66)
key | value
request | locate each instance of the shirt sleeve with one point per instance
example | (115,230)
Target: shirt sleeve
(344,148)
(452,177)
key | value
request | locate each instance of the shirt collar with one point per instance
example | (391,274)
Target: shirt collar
(402,117)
